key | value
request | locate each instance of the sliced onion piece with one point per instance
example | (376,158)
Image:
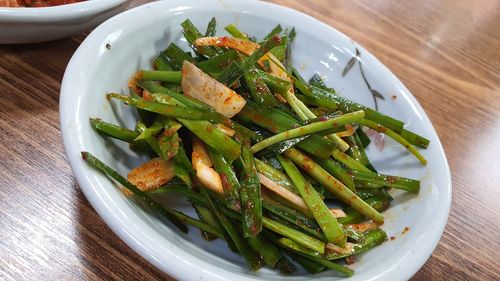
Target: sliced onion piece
(284,193)
(246,47)
(202,165)
(209,178)
(227,131)
(152,174)
(200,154)
(199,85)
(363,227)
(338,213)
(334,248)
(350,130)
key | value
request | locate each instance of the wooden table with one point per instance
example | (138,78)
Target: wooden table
(446,52)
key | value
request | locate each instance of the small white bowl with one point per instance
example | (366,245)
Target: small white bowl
(114,51)
(33,25)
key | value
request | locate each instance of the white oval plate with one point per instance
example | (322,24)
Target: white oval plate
(33,25)
(136,36)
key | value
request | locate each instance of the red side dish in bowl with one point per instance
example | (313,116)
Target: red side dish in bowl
(35,3)
(34,21)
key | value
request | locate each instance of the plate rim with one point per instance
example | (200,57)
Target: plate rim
(57,13)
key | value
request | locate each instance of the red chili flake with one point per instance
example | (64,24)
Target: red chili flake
(391,179)
(393,238)
(307,167)
(276,38)
(394,97)
(380,128)
(222,40)
(147,96)
(169,132)
(405,230)
(323,118)
(228,123)
(253,228)
(235,85)
(350,260)
(224,181)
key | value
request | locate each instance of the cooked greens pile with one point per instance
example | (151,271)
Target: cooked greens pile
(260,153)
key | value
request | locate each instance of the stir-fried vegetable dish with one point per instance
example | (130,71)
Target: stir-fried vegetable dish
(273,164)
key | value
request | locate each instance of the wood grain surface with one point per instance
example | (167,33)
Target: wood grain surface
(446,52)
